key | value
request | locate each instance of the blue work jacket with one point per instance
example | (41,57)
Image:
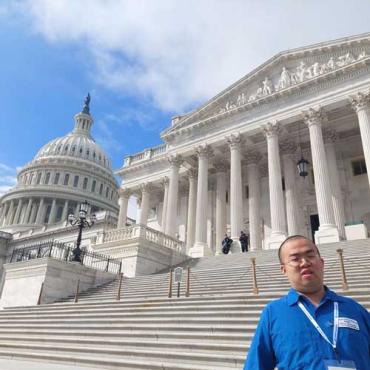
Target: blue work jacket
(285,338)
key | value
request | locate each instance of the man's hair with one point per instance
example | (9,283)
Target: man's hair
(294,237)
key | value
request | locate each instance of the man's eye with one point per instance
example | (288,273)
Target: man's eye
(296,259)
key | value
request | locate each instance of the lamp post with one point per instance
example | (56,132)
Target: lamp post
(84,219)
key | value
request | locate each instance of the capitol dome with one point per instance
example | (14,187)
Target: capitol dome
(64,172)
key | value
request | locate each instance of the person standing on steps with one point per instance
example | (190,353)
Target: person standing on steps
(311,328)
(244,241)
(226,244)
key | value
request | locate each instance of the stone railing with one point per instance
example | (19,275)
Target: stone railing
(146,154)
(144,232)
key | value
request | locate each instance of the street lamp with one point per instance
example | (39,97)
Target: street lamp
(84,219)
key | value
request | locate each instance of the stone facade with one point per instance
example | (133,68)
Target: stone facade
(312,102)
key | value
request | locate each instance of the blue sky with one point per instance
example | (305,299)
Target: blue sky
(142,61)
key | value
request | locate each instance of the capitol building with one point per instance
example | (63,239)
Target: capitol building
(282,151)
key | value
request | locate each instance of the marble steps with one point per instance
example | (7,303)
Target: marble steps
(148,361)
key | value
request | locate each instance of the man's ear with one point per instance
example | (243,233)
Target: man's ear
(283,269)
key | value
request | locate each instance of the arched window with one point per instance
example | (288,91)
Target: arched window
(56,178)
(38,178)
(106,192)
(84,186)
(101,189)
(93,186)
(66,179)
(75,181)
(47,178)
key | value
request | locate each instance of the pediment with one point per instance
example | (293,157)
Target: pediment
(284,72)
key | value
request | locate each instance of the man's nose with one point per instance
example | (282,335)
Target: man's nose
(304,261)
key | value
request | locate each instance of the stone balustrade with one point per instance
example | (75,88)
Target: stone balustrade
(145,154)
(144,232)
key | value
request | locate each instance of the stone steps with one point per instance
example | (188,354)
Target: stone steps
(211,329)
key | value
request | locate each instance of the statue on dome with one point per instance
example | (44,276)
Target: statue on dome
(86,107)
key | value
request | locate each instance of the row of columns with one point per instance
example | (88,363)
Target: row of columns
(31,211)
(286,217)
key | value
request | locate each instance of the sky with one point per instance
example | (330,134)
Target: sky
(143,62)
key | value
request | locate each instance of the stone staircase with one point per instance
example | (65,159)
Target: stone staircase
(211,329)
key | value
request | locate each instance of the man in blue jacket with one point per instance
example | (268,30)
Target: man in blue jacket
(311,328)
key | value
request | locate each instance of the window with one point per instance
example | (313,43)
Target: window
(38,178)
(84,186)
(59,214)
(56,178)
(66,179)
(359,167)
(283,183)
(75,181)
(47,214)
(101,189)
(246,192)
(227,197)
(93,186)
(47,178)
(106,192)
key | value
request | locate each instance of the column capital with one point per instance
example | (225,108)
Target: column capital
(165,181)
(220,167)
(145,187)
(204,151)
(252,157)
(124,192)
(271,129)
(313,116)
(234,140)
(360,101)
(288,147)
(330,135)
(192,173)
(175,160)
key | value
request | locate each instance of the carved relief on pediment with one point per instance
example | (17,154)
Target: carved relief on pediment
(288,77)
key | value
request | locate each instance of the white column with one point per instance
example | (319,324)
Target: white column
(220,205)
(200,247)
(173,190)
(236,193)
(3,213)
(9,217)
(40,212)
(361,104)
(327,232)
(336,191)
(145,202)
(124,196)
(5,210)
(192,199)
(26,215)
(18,212)
(254,200)
(288,149)
(277,210)
(65,211)
(53,212)
(165,183)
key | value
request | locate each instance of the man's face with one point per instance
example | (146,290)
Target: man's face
(302,265)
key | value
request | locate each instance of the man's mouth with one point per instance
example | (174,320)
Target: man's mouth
(306,273)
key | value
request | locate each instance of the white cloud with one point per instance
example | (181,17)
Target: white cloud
(8,178)
(178,53)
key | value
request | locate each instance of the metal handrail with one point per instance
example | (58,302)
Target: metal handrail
(63,251)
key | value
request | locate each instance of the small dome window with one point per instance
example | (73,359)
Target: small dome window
(94,155)
(87,152)
(59,148)
(81,150)
(74,148)
(66,148)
